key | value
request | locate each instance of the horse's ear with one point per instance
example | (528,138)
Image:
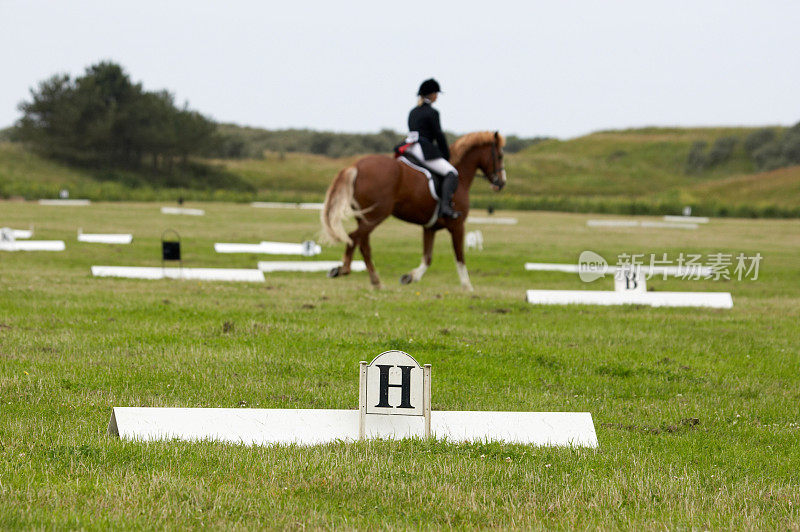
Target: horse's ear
(497,136)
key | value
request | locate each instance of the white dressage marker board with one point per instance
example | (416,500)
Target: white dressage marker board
(101,238)
(694,219)
(308,266)
(394,402)
(65,202)
(474,240)
(307,248)
(182,210)
(492,220)
(198,274)
(630,297)
(677,271)
(393,384)
(629,279)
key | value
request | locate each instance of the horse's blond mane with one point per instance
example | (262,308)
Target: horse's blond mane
(465,143)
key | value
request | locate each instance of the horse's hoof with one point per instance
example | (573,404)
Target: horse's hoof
(406,278)
(335,272)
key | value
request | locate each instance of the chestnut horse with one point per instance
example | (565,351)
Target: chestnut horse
(377,186)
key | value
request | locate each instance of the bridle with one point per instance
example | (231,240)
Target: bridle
(495,178)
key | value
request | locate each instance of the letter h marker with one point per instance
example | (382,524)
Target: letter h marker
(394,384)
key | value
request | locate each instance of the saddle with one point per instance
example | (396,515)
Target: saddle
(434,180)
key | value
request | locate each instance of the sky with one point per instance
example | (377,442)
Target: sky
(557,68)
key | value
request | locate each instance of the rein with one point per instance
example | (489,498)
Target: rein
(494,178)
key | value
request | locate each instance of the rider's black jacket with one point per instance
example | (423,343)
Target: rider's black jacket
(424,119)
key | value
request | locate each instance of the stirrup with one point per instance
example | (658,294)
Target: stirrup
(446,211)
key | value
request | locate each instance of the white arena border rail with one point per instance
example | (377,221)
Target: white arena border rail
(308,266)
(370,420)
(314,427)
(636,294)
(182,210)
(281,205)
(105,238)
(643,223)
(694,219)
(65,202)
(33,245)
(22,233)
(198,274)
(270,248)
(652,299)
(491,220)
(676,271)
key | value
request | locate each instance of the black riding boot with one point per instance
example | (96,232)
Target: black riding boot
(449,186)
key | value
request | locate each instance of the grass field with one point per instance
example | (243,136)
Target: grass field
(696,411)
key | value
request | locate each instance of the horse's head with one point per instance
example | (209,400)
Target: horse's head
(481,150)
(491,163)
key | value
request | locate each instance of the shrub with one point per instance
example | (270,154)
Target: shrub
(757,139)
(790,146)
(773,152)
(721,150)
(516,144)
(769,156)
(697,160)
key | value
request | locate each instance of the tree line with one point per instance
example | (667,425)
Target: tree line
(245,142)
(103,118)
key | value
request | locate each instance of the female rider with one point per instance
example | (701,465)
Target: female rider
(430,145)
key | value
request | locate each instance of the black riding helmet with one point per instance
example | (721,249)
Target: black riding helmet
(429,86)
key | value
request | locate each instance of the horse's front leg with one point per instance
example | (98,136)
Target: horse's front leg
(457,233)
(427,256)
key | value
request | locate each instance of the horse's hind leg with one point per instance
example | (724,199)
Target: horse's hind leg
(427,256)
(344,269)
(366,252)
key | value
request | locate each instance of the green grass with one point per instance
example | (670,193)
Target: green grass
(639,171)
(72,347)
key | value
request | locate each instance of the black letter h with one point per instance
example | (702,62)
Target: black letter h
(405,386)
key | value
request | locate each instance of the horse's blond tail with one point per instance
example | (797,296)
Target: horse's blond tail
(339,206)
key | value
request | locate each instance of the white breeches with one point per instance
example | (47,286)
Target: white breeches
(440,166)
